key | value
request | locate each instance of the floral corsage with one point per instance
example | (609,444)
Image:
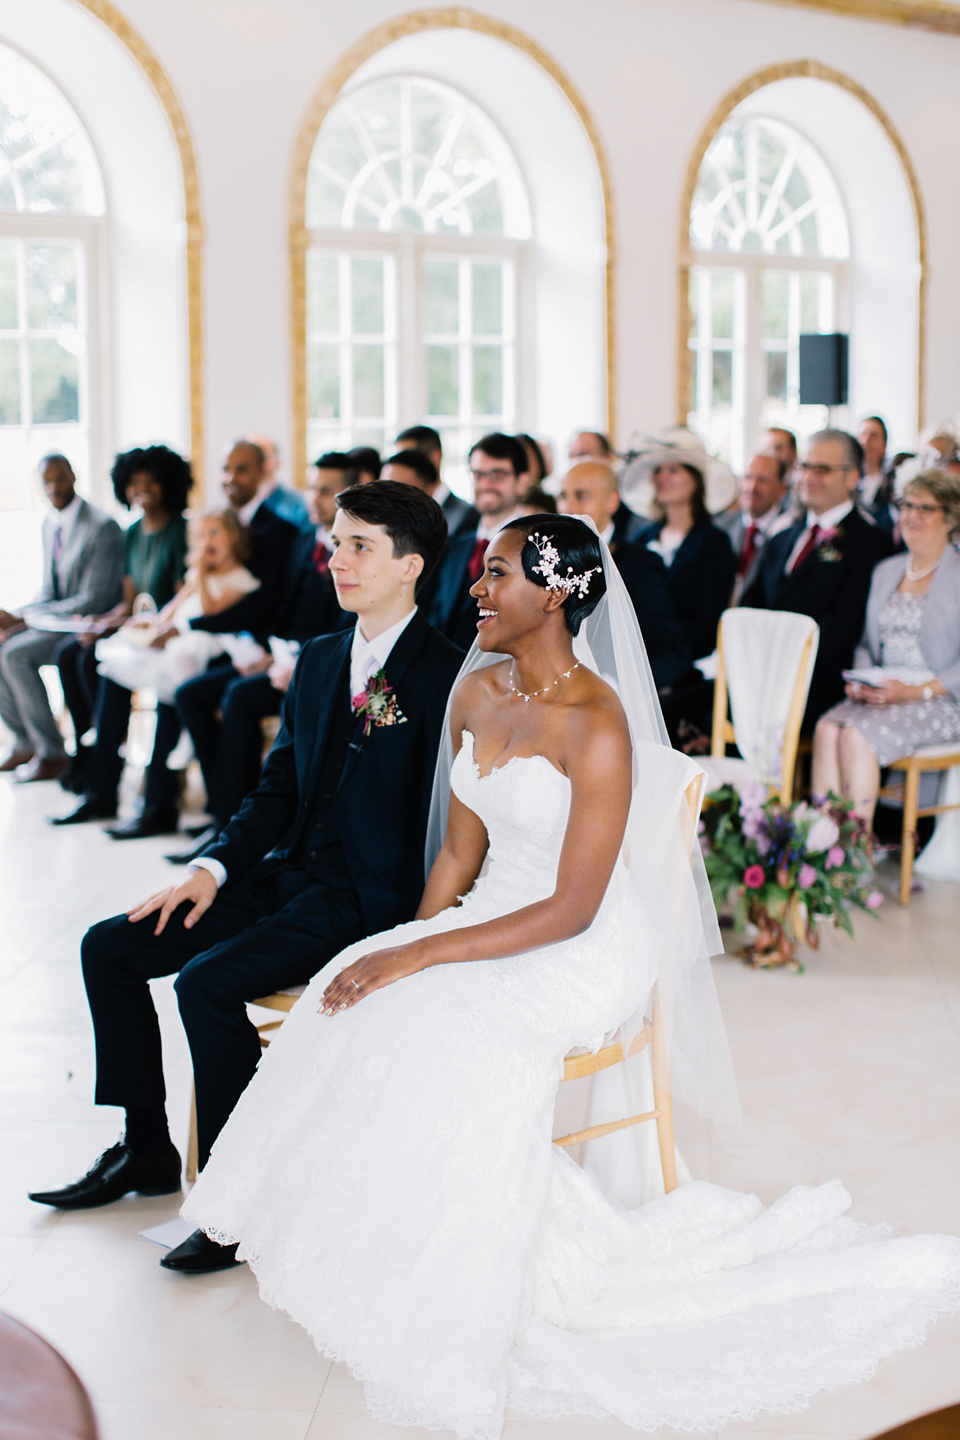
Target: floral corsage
(826,548)
(377,703)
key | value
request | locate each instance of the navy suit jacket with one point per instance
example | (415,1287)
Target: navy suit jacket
(831,586)
(645,577)
(447,599)
(701,582)
(383,794)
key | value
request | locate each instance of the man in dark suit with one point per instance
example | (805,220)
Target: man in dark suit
(459,514)
(590,488)
(328,849)
(498,467)
(223,708)
(822,565)
(761,514)
(270,542)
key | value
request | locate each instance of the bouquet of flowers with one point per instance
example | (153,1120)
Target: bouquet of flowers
(785,866)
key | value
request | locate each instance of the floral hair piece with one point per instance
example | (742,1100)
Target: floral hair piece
(549,559)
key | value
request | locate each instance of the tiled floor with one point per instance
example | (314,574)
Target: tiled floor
(852,1069)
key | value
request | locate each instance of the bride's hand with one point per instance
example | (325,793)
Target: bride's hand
(370,973)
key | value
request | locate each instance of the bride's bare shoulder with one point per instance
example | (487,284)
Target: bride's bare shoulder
(484,684)
(596,718)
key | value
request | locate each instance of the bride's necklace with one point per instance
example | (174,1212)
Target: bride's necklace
(921,574)
(522,695)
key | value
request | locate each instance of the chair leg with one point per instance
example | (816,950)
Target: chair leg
(192,1155)
(663,1104)
(911,802)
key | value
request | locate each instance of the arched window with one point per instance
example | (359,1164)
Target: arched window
(770,237)
(51,201)
(417,221)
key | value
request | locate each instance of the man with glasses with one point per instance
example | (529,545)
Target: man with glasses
(498,468)
(821,566)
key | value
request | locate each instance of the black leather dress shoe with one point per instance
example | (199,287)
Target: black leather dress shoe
(186,857)
(116,1173)
(153,820)
(90,808)
(199,1255)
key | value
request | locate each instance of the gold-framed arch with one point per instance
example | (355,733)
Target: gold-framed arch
(454,17)
(758,80)
(162,86)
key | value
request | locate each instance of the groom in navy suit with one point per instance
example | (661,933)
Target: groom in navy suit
(329,848)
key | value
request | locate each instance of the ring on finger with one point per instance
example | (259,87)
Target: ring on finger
(354,984)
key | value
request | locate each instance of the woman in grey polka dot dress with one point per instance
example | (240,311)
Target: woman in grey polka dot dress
(911,643)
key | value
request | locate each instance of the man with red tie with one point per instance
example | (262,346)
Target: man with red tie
(821,565)
(498,468)
(763,495)
(223,711)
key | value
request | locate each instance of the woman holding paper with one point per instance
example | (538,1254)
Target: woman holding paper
(904,691)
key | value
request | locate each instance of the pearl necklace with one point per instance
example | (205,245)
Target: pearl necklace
(543,690)
(921,574)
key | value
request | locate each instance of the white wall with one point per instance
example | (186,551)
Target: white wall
(650,71)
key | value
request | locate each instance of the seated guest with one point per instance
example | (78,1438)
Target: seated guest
(223,709)
(536,460)
(286,503)
(329,848)
(537,501)
(459,514)
(363,463)
(876,483)
(783,444)
(911,646)
(821,565)
(156,482)
(498,466)
(590,488)
(700,564)
(82,575)
(270,542)
(590,445)
(412,467)
(764,494)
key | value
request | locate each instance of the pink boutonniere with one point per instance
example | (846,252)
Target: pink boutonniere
(826,549)
(377,703)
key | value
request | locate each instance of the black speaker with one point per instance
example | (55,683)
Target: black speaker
(823,369)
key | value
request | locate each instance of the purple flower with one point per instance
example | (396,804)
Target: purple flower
(806,877)
(753,795)
(753,877)
(835,857)
(874,900)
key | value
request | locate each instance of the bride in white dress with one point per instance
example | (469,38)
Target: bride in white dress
(389,1174)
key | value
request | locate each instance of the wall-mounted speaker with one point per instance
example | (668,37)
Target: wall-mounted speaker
(823,369)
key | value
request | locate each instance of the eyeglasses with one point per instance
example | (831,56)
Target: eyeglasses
(909,507)
(820,472)
(501,472)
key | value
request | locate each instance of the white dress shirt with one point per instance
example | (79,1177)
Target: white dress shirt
(829,520)
(366,658)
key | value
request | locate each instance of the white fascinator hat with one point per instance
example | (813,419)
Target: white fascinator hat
(683,447)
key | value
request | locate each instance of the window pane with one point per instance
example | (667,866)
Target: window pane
(51,286)
(368,386)
(487,380)
(487,299)
(9,305)
(721,305)
(776,375)
(810,304)
(443,385)
(441,297)
(54,383)
(9,382)
(722,377)
(323,381)
(366,276)
(775,301)
(323,293)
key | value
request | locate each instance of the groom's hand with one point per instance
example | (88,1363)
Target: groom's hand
(199,891)
(370,973)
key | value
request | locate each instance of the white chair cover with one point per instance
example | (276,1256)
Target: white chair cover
(762,654)
(940,859)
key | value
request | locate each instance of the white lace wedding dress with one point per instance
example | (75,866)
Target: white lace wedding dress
(390,1177)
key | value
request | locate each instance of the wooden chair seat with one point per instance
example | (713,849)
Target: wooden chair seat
(41,1397)
(911,767)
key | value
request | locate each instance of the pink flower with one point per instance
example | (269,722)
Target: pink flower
(835,857)
(874,900)
(753,877)
(806,877)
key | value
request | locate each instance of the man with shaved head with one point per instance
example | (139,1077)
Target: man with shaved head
(590,488)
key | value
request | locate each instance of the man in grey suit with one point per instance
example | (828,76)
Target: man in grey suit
(82,575)
(761,513)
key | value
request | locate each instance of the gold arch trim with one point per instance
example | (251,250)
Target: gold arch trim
(455,17)
(133,41)
(813,70)
(918,14)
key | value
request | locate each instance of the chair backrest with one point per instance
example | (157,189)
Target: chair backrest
(765,661)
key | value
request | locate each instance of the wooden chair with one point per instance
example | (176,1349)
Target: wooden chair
(911,767)
(41,1396)
(723,733)
(576,1066)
